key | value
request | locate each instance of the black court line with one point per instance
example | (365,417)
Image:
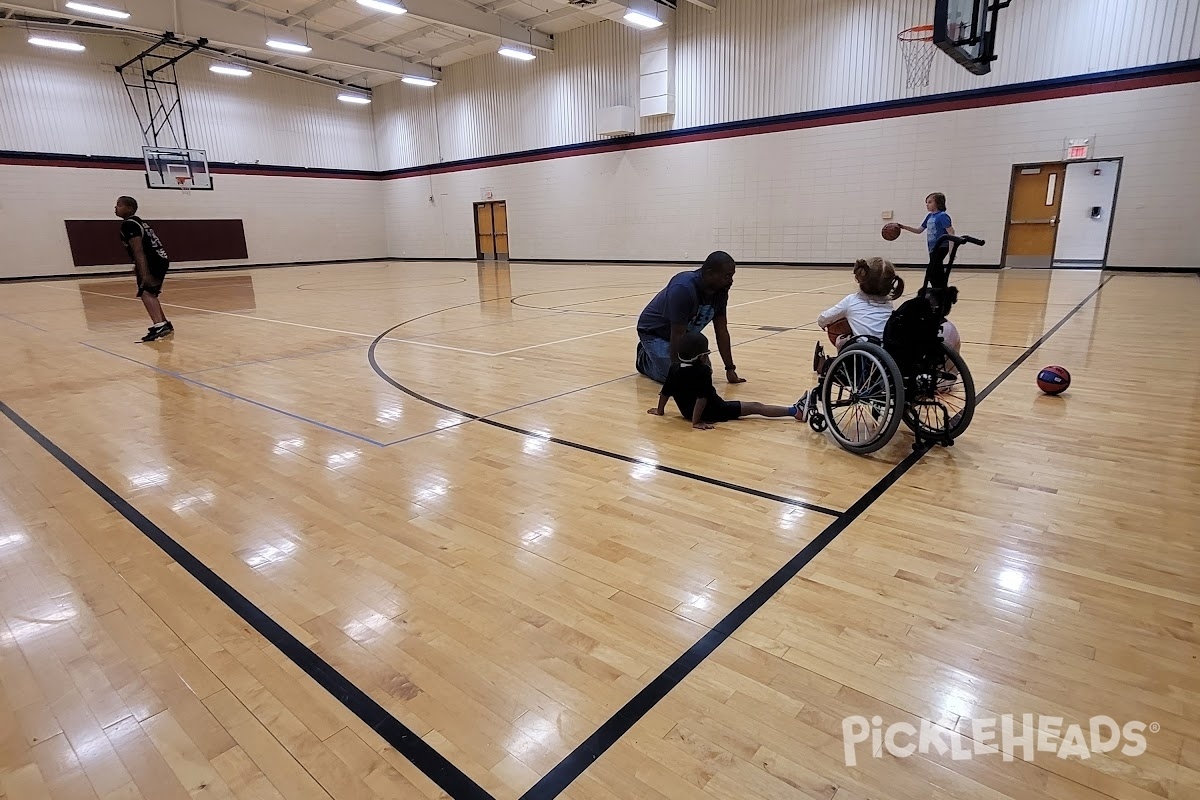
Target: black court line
(583,756)
(791,501)
(431,763)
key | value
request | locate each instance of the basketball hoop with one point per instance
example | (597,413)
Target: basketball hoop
(916,45)
(185,183)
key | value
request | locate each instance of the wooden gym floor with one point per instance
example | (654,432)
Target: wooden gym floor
(277,556)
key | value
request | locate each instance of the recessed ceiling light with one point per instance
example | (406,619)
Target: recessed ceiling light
(512,52)
(291,47)
(57,44)
(230,69)
(99,11)
(383,5)
(642,20)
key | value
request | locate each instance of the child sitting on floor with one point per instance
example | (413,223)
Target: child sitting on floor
(690,384)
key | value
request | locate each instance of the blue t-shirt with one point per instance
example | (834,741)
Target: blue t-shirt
(935,225)
(682,302)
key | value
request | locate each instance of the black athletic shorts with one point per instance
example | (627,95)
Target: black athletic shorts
(154,286)
(722,411)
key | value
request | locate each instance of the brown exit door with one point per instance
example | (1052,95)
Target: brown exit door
(1033,212)
(491,230)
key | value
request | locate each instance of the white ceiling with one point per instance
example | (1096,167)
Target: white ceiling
(418,39)
(352,44)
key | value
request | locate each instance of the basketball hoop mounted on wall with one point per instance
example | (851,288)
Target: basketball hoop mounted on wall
(916,45)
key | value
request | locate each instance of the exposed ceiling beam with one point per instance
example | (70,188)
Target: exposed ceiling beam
(311,11)
(357,25)
(450,48)
(225,28)
(472,19)
(664,12)
(405,37)
(550,16)
(711,5)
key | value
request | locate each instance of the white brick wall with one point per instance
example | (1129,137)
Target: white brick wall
(286,219)
(816,195)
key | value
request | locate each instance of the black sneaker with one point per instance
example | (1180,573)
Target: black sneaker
(158,331)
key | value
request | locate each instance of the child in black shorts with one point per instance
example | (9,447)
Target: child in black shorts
(690,383)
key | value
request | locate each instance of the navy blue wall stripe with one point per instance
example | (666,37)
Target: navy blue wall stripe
(1032,91)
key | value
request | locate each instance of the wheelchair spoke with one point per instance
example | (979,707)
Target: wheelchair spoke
(859,401)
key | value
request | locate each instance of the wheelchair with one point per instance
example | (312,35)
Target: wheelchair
(864,392)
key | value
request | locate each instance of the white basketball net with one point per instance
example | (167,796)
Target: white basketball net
(916,45)
(185,183)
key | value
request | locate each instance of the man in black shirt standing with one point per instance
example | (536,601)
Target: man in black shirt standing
(150,264)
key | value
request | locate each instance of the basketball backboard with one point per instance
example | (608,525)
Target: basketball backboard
(176,168)
(966,31)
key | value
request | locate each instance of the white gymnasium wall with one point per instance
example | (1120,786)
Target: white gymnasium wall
(809,196)
(757,58)
(1080,236)
(492,104)
(816,195)
(57,102)
(286,219)
(75,103)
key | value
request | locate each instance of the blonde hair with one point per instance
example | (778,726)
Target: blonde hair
(877,277)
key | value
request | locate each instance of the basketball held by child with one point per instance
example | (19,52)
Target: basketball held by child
(1053,380)
(891,231)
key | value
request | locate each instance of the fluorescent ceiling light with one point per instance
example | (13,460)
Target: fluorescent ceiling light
(230,69)
(291,47)
(383,5)
(642,20)
(57,44)
(100,11)
(354,98)
(418,81)
(523,55)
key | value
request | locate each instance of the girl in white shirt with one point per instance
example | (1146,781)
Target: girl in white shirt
(867,310)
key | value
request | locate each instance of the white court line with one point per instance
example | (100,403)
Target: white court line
(627,327)
(293,324)
(433,344)
(562,341)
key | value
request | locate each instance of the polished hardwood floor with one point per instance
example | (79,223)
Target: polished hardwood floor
(441,480)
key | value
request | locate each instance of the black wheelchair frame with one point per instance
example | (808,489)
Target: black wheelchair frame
(864,377)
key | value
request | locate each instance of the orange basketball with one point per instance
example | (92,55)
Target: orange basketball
(891,231)
(1053,379)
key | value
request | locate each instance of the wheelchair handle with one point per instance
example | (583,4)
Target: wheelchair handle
(936,277)
(960,240)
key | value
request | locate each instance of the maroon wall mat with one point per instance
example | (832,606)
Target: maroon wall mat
(97,242)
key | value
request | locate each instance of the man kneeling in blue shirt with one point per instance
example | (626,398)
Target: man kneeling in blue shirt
(687,304)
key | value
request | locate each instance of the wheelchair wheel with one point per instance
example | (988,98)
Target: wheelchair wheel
(862,395)
(944,405)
